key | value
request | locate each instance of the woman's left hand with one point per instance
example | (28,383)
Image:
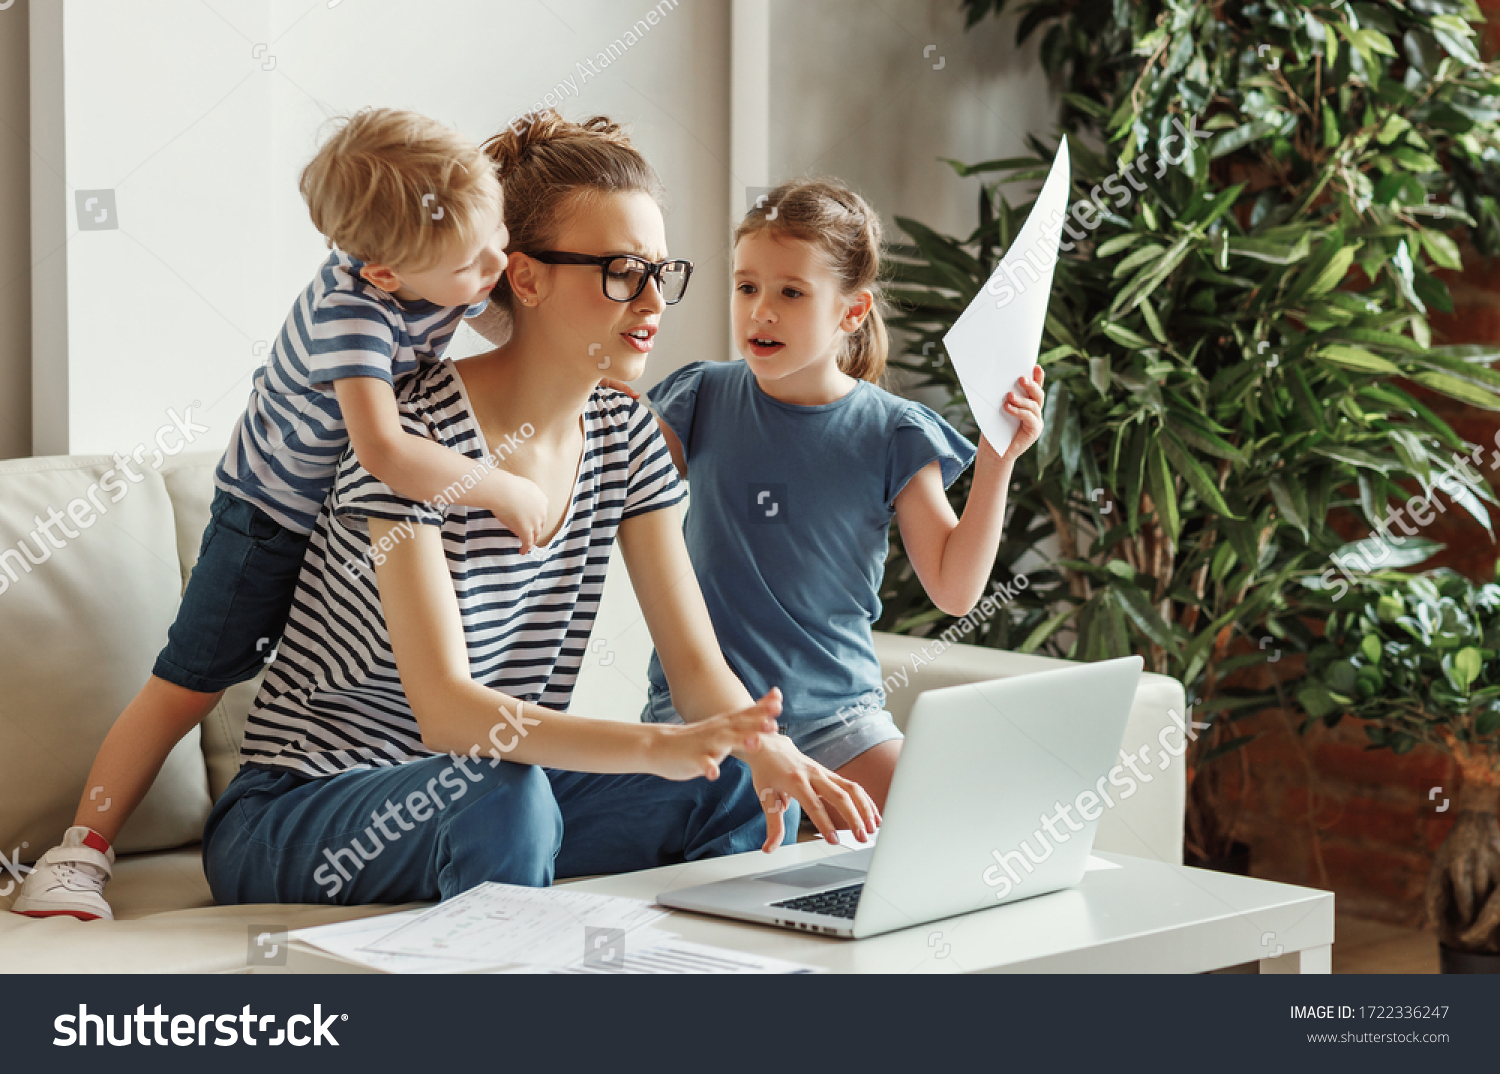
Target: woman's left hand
(1025,405)
(781,772)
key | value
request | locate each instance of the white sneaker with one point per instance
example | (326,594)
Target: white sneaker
(69,879)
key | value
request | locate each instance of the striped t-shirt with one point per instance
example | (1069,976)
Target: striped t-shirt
(283,451)
(332,698)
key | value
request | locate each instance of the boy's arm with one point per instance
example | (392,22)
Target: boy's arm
(422,469)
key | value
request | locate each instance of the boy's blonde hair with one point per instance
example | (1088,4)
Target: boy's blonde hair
(398,189)
(847,232)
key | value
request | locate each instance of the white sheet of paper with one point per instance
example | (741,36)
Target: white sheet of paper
(653,951)
(499,924)
(1094,864)
(998,337)
(349,940)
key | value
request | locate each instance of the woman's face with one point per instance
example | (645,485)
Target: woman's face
(603,337)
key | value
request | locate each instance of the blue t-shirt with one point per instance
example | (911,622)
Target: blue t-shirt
(789,520)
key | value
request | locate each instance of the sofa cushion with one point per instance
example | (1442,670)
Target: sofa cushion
(80,630)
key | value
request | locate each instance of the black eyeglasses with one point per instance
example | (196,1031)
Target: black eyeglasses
(624,276)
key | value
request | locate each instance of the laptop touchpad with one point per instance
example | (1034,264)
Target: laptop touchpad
(813,876)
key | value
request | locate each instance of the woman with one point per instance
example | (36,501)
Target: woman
(421,628)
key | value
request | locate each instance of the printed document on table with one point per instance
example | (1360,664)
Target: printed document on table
(499,924)
(653,951)
(998,337)
(348,940)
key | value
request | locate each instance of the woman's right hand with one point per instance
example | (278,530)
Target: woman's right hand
(687,751)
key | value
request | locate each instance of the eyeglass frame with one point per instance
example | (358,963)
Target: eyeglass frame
(653,270)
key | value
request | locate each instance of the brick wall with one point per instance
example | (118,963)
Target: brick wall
(1319,808)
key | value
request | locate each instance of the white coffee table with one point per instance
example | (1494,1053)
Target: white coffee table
(1142,917)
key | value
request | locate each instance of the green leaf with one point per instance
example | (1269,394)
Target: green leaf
(1145,616)
(1054,417)
(1099,375)
(1110,247)
(1162,492)
(1357,358)
(1467,664)
(1373,553)
(1045,631)
(1197,476)
(1125,337)
(1332,274)
(1275,253)
(1288,507)
(1442,249)
(1462,390)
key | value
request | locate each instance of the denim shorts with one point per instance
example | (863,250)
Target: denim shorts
(832,741)
(237,600)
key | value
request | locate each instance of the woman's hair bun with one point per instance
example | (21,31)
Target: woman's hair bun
(524,136)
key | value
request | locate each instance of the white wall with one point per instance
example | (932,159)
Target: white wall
(853,95)
(200,134)
(15,236)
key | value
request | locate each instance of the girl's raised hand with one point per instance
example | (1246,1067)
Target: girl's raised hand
(1025,407)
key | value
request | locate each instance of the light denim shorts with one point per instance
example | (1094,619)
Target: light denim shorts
(832,741)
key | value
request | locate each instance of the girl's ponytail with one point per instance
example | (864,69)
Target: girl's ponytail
(866,350)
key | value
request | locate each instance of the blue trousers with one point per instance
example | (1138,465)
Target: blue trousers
(430,829)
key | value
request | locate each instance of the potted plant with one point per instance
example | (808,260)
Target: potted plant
(1414,656)
(1263,194)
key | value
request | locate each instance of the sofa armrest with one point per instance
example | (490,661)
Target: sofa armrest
(1146,825)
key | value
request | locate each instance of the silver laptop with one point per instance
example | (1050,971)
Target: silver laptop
(996,798)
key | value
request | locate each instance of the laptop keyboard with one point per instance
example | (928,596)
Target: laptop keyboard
(840,902)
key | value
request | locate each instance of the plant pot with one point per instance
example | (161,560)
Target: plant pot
(1452,960)
(1457,894)
(1237,861)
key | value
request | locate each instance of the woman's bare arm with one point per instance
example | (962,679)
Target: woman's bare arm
(702,682)
(458,715)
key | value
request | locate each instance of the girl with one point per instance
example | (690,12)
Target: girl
(797,461)
(411,739)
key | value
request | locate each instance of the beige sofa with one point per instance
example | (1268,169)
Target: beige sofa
(79,632)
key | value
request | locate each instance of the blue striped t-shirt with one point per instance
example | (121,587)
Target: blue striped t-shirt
(284,449)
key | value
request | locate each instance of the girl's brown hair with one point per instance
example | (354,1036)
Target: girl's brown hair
(847,232)
(547,164)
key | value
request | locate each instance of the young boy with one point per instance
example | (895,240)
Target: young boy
(413,214)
